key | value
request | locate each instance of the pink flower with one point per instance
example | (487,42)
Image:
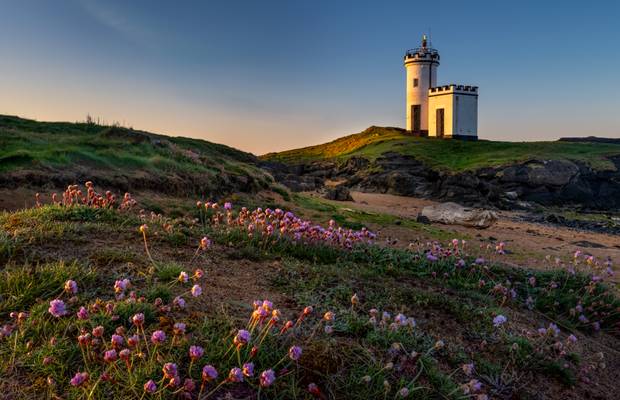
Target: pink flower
(117,341)
(235,375)
(179,328)
(195,352)
(248,369)
(198,274)
(228,206)
(79,379)
(267,378)
(209,373)
(499,321)
(158,337)
(150,387)
(82,313)
(242,337)
(179,302)
(133,341)
(57,308)
(183,277)
(110,356)
(121,285)
(189,385)
(71,287)
(196,290)
(314,389)
(138,319)
(294,353)
(125,354)
(468,369)
(170,370)
(329,316)
(205,243)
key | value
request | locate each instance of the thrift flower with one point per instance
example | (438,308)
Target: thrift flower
(110,356)
(183,277)
(79,379)
(71,287)
(179,302)
(150,387)
(499,321)
(57,308)
(158,337)
(267,378)
(82,314)
(196,290)
(179,328)
(195,352)
(235,375)
(209,373)
(242,337)
(117,341)
(138,319)
(294,353)
(170,370)
(248,369)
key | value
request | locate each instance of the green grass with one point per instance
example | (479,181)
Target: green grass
(453,155)
(353,218)
(448,302)
(115,151)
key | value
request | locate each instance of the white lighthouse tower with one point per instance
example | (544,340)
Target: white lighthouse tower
(421,64)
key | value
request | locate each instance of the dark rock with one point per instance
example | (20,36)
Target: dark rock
(585,243)
(339,193)
(423,219)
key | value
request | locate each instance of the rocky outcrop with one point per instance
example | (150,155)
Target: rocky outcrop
(454,214)
(338,193)
(544,182)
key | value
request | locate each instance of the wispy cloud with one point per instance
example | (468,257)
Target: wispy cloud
(116,19)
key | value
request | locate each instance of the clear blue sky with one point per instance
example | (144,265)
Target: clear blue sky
(271,75)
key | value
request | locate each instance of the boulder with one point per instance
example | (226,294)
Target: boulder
(339,193)
(455,214)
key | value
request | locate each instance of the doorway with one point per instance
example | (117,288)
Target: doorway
(439,115)
(416,111)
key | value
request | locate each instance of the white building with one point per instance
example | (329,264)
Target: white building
(449,111)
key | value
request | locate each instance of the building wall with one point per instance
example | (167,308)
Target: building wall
(446,102)
(460,113)
(426,73)
(466,115)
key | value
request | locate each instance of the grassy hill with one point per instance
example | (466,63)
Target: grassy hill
(453,155)
(119,156)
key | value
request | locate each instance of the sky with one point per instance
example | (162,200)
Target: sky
(271,75)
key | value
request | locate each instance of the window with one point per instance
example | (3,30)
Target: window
(415,82)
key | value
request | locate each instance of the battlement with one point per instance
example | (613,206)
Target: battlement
(421,54)
(452,88)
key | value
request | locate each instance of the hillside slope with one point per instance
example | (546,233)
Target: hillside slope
(55,154)
(501,174)
(451,155)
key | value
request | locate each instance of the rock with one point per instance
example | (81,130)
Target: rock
(455,214)
(511,195)
(339,193)
(423,219)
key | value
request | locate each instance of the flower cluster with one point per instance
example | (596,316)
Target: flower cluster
(283,224)
(74,196)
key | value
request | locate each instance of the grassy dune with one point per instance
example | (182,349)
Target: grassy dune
(116,152)
(452,155)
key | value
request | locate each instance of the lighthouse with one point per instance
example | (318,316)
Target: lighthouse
(421,64)
(448,111)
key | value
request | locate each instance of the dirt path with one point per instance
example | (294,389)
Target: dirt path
(528,242)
